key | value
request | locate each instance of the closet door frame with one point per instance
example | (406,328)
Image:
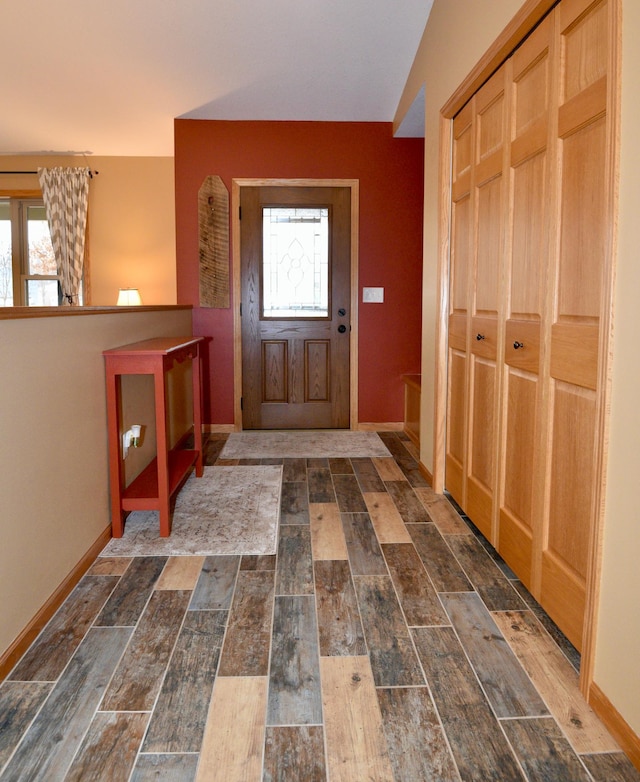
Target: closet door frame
(530,14)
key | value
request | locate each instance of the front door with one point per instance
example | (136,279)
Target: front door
(295,310)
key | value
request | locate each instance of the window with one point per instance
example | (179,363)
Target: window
(295,262)
(28,274)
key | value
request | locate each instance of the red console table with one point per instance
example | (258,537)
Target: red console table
(153,488)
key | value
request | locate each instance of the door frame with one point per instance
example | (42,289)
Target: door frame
(236,187)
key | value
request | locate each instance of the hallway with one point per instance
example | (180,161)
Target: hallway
(384,641)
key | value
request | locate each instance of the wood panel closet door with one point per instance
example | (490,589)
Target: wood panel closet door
(459,292)
(530,299)
(489,209)
(580,266)
(523,459)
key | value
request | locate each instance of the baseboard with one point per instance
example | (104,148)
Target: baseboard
(31,631)
(615,724)
(381,427)
(425,473)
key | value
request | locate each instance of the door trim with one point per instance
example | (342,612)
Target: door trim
(236,186)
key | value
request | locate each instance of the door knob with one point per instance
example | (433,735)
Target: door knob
(342,328)
(479,337)
(517,345)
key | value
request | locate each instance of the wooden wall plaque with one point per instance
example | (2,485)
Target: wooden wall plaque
(213,242)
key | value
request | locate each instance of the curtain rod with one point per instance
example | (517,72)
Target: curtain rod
(91,173)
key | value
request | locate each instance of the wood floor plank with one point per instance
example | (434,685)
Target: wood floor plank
(234,738)
(340,466)
(258,562)
(19,704)
(386,519)
(47,657)
(138,677)
(443,568)
(388,469)
(294,504)
(327,534)
(407,503)
(393,658)
(479,746)
(49,745)
(493,587)
(348,494)
(110,747)
(109,566)
(180,573)
(441,511)
(505,682)
(294,754)
(356,745)
(405,460)
(294,574)
(368,477)
(214,589)
(246,646)
(611,767)
(417,745)
(167,768)
(364,550)
(127,602)
(556,681)
(417,596)
(212,448)
(339,625)
(294,470)
(187,686)
(294,676)
(320,484)
(543,751)
(568,649)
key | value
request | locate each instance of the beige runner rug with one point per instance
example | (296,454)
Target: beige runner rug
(230,510)
(311,444)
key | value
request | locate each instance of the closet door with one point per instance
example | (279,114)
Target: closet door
(522,457)
(581,264)
(489,207)
(459,292)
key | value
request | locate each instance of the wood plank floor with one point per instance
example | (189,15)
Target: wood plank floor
(385,640)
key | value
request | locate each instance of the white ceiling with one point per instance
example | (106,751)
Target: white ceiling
(110,76)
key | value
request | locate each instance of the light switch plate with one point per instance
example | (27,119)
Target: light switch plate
(375,295)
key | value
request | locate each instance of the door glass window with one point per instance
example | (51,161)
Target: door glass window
(295,262)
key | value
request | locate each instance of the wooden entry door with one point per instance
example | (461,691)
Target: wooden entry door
(295,307)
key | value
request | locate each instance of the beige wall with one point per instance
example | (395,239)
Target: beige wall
(132,240)
(617,669)
(53,460)
(457,35)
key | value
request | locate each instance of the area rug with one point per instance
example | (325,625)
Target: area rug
(307,444)
(229,510)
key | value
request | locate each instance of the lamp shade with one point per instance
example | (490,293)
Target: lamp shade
(129,297)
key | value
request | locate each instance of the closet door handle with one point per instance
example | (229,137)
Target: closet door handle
(517,345)
(479,337)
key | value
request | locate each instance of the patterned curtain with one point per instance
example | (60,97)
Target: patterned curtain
(65,192)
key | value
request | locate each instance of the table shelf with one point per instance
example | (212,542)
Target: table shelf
(142,492)
(162,477)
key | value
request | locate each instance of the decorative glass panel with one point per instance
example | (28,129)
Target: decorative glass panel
(295,270)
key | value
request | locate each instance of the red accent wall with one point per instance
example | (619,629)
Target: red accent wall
(390,172)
